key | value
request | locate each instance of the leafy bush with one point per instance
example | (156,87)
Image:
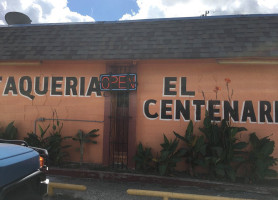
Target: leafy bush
(169,156)
(143,158)
(37,141)
(10,132)
(224,152)
(259,159)
(195,148)
(52,143)
(83,138)
(55,148)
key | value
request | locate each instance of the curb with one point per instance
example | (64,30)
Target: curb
(129,177)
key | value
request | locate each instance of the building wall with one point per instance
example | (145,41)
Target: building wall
(255,83)
(24,111)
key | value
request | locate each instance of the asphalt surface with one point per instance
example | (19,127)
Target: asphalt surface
(108,190)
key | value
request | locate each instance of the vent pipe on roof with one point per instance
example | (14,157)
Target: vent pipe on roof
(13,18)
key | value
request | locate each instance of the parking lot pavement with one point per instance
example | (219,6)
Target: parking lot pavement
(108,190)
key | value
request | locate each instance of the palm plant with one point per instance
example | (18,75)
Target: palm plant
(84,138)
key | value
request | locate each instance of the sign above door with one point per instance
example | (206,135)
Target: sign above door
(118,82)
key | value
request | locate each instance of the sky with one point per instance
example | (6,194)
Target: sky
(61,11)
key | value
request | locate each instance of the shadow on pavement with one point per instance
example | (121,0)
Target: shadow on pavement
(62,197)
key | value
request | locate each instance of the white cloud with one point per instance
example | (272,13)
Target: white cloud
(188,8)
(42,11)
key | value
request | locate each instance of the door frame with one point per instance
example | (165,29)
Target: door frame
(132,118)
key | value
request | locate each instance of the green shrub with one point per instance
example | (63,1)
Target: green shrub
(259,159)
(195,148)
(169,156)
(10,132)
(52,143)
(224,152)
(143,158)
(34,140)
(57,155)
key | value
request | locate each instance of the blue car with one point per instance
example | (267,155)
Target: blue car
(22,171)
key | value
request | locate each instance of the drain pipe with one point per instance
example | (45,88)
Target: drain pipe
(71,120)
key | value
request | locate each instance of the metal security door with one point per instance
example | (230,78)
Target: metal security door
(118,141)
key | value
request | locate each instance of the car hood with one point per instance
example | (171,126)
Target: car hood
(16,162)
(11,150)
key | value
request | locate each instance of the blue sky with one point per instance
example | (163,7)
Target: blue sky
(63,11)
(103,10)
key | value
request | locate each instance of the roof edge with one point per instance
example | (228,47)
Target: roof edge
(146,20)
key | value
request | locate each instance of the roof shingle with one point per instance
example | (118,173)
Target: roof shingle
(180,38)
